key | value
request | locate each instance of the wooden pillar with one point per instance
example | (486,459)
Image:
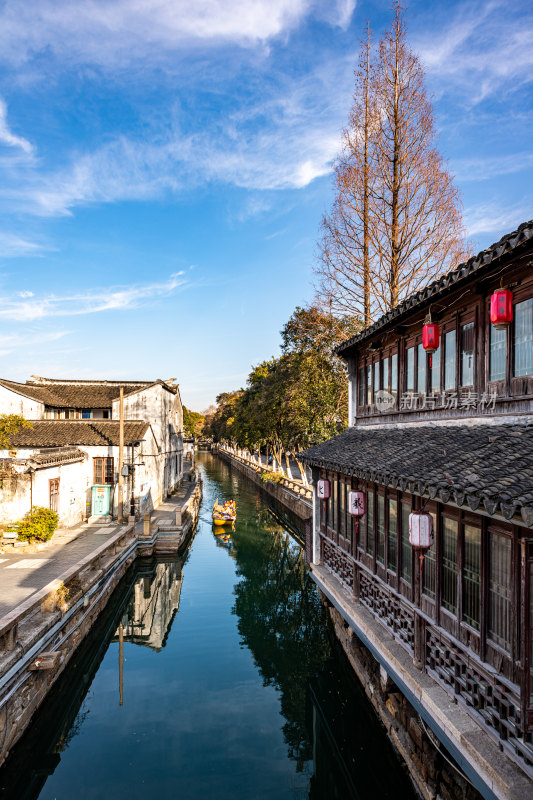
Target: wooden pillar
(419,656)
(121,459)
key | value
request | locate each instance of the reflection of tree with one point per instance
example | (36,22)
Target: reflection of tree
(281,620)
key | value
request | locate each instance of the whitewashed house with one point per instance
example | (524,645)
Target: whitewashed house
(69,458)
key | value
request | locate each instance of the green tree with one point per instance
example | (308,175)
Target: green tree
(297,399)
(193,422)
(10,424)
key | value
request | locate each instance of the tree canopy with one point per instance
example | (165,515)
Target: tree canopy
(193,423)
(296,399)
(9,425)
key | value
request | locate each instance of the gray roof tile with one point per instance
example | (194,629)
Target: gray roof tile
(441,461)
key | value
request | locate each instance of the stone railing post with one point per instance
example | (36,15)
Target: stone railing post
(147,526)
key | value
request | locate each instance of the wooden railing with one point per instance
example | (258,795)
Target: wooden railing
(487,696)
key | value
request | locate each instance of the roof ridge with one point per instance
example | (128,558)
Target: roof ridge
(484,258)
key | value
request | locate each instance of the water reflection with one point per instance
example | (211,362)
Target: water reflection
(144,604)
(153,602)
(233,686)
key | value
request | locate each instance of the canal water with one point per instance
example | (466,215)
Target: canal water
(210,676)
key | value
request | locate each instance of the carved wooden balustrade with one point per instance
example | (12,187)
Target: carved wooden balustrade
(491,699)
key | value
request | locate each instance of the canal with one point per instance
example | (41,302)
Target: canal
(211,676)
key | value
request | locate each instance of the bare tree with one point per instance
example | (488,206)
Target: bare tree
(396,221)
(344,270)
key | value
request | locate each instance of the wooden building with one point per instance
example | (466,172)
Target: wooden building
(449,433)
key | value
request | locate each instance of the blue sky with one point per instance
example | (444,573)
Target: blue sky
(165,165)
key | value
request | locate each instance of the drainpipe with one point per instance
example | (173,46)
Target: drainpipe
(31,489)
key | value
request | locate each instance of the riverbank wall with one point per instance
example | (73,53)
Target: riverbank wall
(291,494)
(40,635)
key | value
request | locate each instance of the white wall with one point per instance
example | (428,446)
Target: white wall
(21,491)
(163,410)
(13,403)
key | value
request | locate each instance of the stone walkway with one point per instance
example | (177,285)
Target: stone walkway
(22,574)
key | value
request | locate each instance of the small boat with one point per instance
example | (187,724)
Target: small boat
(225,514)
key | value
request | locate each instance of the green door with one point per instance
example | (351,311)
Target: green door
(100,500)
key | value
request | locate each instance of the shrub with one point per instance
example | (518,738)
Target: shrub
(272,477)
(38,525)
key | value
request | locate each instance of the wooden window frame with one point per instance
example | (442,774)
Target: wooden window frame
(105,471)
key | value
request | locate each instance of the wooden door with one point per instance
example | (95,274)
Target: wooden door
(54,494)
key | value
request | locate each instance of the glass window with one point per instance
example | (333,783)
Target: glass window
(376,376)
(429,568)
(380,528)
(421,372)
(471,575)
(370,519)
(449,564)
(435,371)
(393,535)
(342,509)
(361,398)
(394,374)
(500,590)
(410,369)
(385,368)
(449,360)
(467,354)
(406,547)
(369,384)
(498,339)
(523,338)
(103,470)
(86,413)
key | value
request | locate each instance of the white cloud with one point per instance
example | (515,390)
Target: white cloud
(12,342)
(116,32)
(9,138)
(484,168)
(28,307)
(11,245)
(483,50)
(284,141)
(491,217)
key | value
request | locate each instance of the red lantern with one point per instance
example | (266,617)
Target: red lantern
(430,337)
(501,308)
(322,490)
(356,503)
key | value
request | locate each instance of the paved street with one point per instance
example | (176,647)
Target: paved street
(22,574)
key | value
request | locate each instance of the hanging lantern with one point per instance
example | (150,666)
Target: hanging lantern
(322,490)
(356,503)
(420,531)
(430,337)
(501,308)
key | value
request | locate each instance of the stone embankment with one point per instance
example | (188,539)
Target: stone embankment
(40,634)
(292,494)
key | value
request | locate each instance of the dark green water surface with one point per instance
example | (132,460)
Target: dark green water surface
(233,687)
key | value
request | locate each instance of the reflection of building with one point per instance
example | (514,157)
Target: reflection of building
(155,598)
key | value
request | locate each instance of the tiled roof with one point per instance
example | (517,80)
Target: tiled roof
(63,455)
(59,432)
(475,266)
(78,394)
(488,466)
